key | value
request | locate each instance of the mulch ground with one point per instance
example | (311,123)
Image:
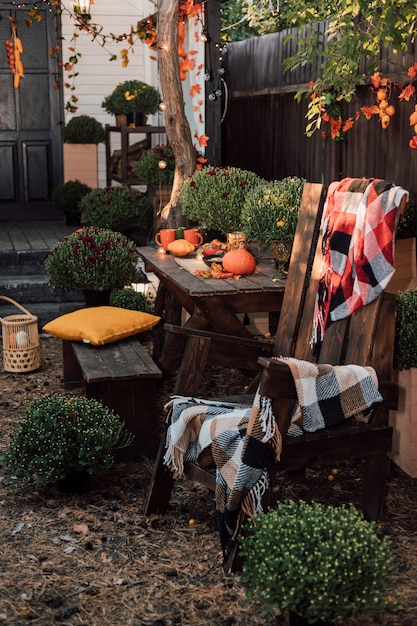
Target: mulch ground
(94,559)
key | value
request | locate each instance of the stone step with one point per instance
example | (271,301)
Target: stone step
(26,262)
(45,311)
(31,288)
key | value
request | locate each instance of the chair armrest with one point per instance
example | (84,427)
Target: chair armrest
(191,349)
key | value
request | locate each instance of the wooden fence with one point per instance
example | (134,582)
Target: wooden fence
(263,129)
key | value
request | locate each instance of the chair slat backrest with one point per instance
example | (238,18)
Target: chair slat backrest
(352,340)
(298,284)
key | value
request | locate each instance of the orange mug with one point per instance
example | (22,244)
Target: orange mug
(194,236)
(165,236)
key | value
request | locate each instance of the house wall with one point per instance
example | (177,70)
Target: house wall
(97,75)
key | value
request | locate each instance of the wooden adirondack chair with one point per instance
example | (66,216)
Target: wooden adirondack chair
(365,338)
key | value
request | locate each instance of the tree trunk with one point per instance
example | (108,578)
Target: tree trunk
(177,127)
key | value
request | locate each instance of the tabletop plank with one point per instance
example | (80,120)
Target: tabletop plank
(165,267)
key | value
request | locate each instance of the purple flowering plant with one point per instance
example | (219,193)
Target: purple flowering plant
(93,258)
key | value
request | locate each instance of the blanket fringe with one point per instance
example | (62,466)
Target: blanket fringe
(269,426)
(252,502)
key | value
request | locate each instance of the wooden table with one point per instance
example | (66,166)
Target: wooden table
(214,304)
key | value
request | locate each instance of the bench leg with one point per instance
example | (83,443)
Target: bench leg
(72,374)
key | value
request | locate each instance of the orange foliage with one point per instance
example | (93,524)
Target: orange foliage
(407,92)
(195,89)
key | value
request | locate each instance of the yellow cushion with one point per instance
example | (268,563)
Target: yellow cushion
(101,324)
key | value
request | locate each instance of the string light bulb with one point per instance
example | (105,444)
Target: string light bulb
(162,106)
(82,9)
(162,164)
(203,37)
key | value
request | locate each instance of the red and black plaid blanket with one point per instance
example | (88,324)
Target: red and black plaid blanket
(358,247)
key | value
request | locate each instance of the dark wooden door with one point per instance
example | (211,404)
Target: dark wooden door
(30,144)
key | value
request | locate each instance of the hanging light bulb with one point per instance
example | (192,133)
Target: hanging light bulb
(162,106)
(82,9)
(162,164)
(203,37)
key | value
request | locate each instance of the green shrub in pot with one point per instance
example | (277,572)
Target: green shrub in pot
(147,169)
(407,226)
(132,96)
(83,129)
(68,196)
(129,298)
(405,344)
(270,210)
(116,208)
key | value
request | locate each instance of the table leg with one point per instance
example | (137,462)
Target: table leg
(221,318)
(169,309)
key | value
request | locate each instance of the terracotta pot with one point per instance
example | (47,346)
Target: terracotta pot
(121,119)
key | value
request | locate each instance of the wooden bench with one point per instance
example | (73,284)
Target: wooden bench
(124,377)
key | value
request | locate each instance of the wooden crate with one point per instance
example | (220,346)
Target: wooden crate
(404,422)
(405,276)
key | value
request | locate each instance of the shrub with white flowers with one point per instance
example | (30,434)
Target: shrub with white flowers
(317,561)
(61,434)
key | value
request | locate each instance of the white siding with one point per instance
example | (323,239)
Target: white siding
(97,76)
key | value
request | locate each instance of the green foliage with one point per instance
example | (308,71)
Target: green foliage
(67,197)
(63,433)
(93,259)
(264,16)
(318,561)
(115,208)
(354,30)
(235,22)
(214,197)
(405,346)
(407,226)
(270,210)
(130,299)
(132,96)
(83,129)
(148,170)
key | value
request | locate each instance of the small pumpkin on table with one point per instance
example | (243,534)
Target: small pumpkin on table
(181,247)
(235,263)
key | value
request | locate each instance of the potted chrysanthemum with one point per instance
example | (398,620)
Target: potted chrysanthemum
(270,215)
(67,198)
(131,97)
(65,439)
(93,260)
(116,208)
(214,196)
(319,562)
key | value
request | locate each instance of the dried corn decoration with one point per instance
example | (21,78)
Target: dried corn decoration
(14,50)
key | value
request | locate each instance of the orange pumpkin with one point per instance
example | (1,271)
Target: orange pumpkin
(239,261)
